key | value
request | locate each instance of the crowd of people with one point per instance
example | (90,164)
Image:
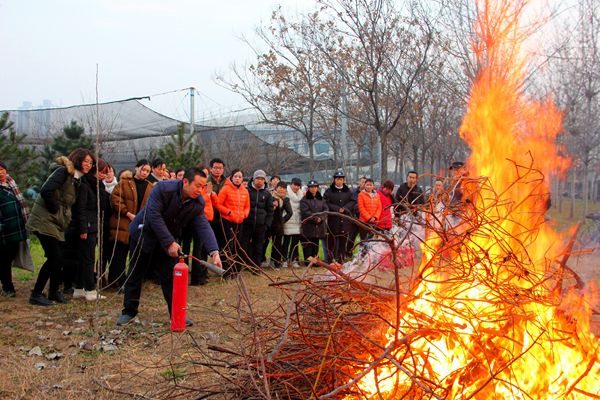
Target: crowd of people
(146,218)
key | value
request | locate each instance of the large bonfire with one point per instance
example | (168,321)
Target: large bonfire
(488,319)
(488,315)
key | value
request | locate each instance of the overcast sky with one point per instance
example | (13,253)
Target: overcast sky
(142,47)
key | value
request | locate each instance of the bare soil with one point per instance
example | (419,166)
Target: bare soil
(96,359)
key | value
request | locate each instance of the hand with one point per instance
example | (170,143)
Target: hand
(83,236)
(173,249)
(318,220)
(216,260)
(209,188)
(341,210)
(131,216)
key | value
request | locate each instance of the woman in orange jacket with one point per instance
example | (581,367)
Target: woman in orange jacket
(233,204)
(369,207)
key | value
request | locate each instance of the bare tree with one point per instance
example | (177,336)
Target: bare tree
(286,83)
(380,54)
(577,84)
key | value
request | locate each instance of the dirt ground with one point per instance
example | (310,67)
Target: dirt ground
(76,351)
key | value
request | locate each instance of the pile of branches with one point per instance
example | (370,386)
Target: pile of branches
(332,333)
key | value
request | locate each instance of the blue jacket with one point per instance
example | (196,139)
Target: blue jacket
(164,217)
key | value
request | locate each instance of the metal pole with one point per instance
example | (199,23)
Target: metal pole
(344,123)
(192,110)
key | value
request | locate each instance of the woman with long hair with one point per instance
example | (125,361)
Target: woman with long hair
(50,218)
(234,207)
(91,199)
(127,199)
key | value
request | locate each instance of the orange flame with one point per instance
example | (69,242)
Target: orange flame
(500,331)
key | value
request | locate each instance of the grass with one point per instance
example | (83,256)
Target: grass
(174,374)
(563,220)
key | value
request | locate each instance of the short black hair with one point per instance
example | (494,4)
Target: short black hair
(282,184)
(274,177)
(182,169)
(412,172)
(191,173)
(157,162)
(369,180)
(216,160)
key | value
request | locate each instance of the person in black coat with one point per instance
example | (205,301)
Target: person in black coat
(156,233)
(339,199)
(409,195)
(282,212)
(254,228)
(85,226)
(314,222)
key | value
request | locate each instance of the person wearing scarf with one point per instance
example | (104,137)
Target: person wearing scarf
(13,217)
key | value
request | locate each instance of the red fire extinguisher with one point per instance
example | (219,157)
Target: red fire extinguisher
(179,300)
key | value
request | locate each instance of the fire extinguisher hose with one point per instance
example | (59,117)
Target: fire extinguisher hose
(217,270)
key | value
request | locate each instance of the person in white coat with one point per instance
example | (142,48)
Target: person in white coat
(291,229)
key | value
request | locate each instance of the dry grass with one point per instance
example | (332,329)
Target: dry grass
(148,358)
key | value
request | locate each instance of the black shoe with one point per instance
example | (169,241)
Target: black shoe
(58,297)
(188,322)
(38,299)
(68,291)
(124,319)
(9,293)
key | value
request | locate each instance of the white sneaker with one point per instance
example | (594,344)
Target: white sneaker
(93,295)
(79,294)
(295,264)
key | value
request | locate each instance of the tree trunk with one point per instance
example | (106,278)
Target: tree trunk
(384,154)
(586,189)
(311,155)
(397,166)
(415,160)
(562,184)
(572,207)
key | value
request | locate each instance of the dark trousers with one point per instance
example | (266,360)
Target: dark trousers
(351,239)
(139,263)
(233,249)
(277,254)
(199,273)
(291,244)
(8,253)
(116,256)
(339,246)
(86,250)
(50,270)
(365,234)
(253,239)
(310,247)
(70,259)
(217,227)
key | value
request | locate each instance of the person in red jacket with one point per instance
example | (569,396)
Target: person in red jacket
(387,200)
(369,207)
(234,206)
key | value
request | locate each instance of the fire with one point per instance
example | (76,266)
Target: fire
(488,319)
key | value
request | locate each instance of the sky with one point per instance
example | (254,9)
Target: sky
(50,50)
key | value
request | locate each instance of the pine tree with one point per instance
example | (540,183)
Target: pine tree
(23,162)
(181,151)
(73,136)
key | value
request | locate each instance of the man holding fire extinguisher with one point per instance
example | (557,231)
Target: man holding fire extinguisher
(155,233)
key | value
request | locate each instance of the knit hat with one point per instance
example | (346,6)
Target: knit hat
(259,173)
